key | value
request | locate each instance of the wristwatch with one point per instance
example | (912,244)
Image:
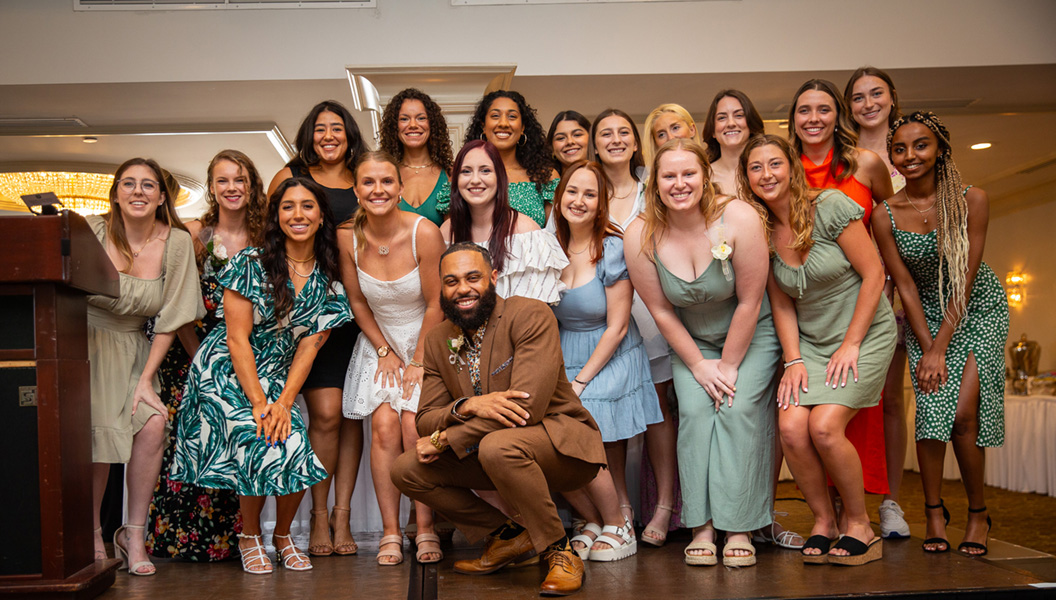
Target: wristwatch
(435,439)
(383,351)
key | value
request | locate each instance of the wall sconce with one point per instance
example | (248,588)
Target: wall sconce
(1015,288)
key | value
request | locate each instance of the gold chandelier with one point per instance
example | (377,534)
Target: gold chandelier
(84,193)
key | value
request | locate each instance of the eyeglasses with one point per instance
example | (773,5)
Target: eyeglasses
(128,185)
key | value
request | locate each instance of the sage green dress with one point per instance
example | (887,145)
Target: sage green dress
(825,290)
(217,444)
(118,348)
(725,458)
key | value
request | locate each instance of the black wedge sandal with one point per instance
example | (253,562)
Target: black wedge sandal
(975,545)
(938,540)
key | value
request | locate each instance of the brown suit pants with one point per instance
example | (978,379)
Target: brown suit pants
(521,463)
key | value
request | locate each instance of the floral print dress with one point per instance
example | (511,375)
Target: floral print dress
(187,521)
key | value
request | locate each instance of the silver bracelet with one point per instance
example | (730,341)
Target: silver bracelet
(454,408)
(794,361)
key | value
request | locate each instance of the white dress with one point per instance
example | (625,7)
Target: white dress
(398,307)
(534,262)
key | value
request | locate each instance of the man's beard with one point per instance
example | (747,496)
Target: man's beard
(470,321)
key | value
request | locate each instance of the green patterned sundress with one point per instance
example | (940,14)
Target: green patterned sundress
(217,445)
(981,332)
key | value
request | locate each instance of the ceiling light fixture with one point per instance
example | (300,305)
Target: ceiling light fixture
(84,193)
(89,139)
(981,146)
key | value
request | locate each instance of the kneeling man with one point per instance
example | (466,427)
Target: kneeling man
(497,413)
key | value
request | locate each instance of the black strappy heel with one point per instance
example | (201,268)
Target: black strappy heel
(938,540)
(975,545)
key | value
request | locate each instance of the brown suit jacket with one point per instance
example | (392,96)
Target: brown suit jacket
(521,351)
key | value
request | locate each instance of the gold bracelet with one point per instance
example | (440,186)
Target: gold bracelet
(415,363)
(435,439)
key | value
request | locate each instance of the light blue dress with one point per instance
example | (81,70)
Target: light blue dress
(620,397)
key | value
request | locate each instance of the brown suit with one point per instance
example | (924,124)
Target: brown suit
(559,449)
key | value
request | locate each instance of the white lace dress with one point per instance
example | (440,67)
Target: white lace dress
(398,307)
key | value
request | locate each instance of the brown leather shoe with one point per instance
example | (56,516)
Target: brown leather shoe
(565,576)
(497,554)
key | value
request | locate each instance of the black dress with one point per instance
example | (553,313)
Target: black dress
(328,370)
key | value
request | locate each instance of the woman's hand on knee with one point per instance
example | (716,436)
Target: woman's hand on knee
(145,393)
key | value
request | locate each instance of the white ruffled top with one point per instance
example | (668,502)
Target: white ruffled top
(533,267)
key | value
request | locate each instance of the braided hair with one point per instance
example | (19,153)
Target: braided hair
(951,231)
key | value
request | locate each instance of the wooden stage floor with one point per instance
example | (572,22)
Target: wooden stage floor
(1009,571)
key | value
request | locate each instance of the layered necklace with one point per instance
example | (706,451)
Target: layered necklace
(293,262)
(923,213)
(417,168)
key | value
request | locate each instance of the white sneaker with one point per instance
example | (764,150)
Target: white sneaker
(892,520)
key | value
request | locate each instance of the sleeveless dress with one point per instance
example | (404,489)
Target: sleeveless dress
(398,308)
(217,445)
(825,289)
(725,458)
(186,521)
(620,397)
(428,208)
(118,347)
(981,332)
(328,370)
(525,198)
(866,429)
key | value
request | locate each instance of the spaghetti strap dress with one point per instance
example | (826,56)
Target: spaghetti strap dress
(825,289)
(398,307)
(725,457)
(982,332)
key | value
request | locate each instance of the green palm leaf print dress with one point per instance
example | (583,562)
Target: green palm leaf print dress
(217,445)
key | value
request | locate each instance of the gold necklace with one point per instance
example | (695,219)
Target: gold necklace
(571,251)
(922,212)
(293,267)
(417,168)
(624,197)
(150,238)
(309,259)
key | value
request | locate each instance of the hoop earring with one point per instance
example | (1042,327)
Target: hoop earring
(523,140)
(483,138)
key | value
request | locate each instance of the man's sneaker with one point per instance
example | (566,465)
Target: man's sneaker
(892,520)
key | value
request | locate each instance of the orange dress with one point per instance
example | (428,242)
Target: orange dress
(866,429)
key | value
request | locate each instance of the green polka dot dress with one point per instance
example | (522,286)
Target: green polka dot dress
(981,332)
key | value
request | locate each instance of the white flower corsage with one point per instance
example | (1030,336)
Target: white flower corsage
(455,345)
(722,252)
(217,252)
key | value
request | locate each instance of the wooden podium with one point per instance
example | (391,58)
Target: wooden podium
(52,264)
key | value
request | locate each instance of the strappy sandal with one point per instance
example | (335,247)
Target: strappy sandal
(121,551)
(859,553)
(255,560)
(390,540)
(620,540)
(315,548)
(586,540)
(816,542)
(290,557)
(629,514)
(976,545)
(653,536)
(342,548)
(937,540)
(784,539)
(738,561)
(420,541)
(99,554)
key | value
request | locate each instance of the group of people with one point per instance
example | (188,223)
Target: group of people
(720,291)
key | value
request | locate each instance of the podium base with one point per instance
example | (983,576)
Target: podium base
(89,582)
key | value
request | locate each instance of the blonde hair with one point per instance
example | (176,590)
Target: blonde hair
(675,109)
(359,218)
(800,217)
(655,213)
(951,207)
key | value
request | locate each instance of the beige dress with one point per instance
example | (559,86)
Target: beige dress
(118,348)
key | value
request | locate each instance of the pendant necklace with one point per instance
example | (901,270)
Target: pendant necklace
(383,249)
(923,213)
(150,238)
(418,168)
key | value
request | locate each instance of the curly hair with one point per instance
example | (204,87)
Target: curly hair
(439,143)
(637,164)
(848,92)
(951,207)
(751,117)
(503,218)
(166,212)
(655,213)
(256,205)
(801,218)
(273,251)
(602,226)
(306,155)
(534,155)
(844,139)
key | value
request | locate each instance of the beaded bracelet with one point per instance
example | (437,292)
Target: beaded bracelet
(794,361)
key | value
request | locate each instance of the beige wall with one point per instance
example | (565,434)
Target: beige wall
(45,41)
(1025,241)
